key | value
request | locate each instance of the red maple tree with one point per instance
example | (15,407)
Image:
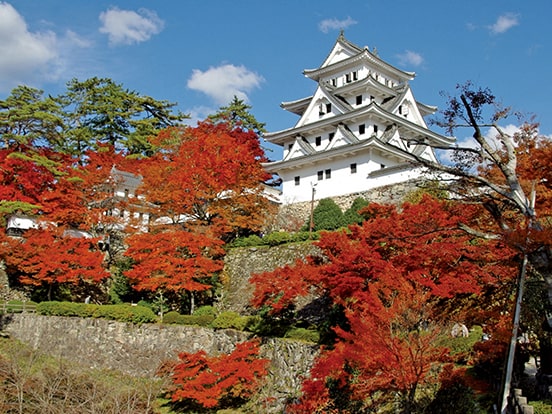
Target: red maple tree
(47,257)
(390,276)
(27,174)
(219,381)
(210,175)
(173,260)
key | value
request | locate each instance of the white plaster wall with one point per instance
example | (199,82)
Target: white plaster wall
(342,181)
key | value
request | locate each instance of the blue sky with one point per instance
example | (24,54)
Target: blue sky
(200,53)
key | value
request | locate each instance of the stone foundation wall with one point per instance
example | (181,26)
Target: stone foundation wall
(292,216)
(7,294)
(140,349)
(241,263)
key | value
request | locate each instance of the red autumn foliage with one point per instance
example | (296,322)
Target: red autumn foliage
(173,260)
(29,175)
(45,257)
(390,345)
(391,276)
(422,243)
(208,175)
(219,380)
(63,192)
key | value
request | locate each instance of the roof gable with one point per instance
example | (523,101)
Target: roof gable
(318,107)
(341,50)
(300,148)
(344,136)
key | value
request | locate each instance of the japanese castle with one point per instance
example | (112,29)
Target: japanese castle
(359,130)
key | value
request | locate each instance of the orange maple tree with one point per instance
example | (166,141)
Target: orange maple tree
(210,175)
(173,260)
(390,276)
(48,258)
(28,174)
(423,242)
(220,381)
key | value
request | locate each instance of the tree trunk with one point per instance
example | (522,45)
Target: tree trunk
(192,303)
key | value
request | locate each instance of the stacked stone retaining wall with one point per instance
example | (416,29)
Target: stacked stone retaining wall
(139,350)
(293,215)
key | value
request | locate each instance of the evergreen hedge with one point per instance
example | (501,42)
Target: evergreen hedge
(121,313)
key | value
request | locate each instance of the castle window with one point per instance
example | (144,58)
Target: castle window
(320,175)
(334,82)
(126,192)
(348,78)
(318,141)
(359,100)
(297,180)
(372,99)
(375,129)
(382,166)
(403,110)
(361,129)
(328,108)
(290,146)
(355,75)
(353,168)
(328,174)
(331,136)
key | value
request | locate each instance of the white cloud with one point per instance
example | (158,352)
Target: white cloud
(198,113)
(504,23)
(223,82)
(410,58)
(334,24)
(24,56)
(72,39)
(126,27)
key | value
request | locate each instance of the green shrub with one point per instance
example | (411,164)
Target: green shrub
(230,320)
(87,310)
(542,407)
(303,334)
(126,313)
(122,313)
(145,304)
(199,320)
(276,238)
(254,324)
(171,317)
(326,216)
(55,308)
(351,215)
(248,241)
(206,310)
(302,236)
(433,188)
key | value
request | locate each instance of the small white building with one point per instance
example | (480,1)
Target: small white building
(357,132)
